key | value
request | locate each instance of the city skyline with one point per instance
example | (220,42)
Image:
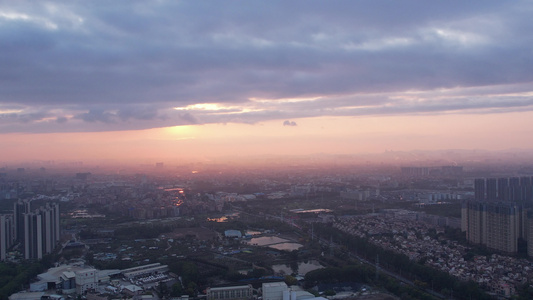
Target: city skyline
(169,81)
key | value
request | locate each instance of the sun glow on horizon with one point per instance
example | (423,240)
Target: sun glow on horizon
(182,132)
(333,135)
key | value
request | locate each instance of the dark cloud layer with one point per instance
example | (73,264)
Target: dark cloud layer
(94,65)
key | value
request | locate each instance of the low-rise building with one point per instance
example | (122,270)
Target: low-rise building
(274,290)
(86,280)
(132,290)
(230,292)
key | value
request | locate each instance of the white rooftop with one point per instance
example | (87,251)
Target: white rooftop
(274,284)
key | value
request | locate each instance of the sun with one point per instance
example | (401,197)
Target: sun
(179,132)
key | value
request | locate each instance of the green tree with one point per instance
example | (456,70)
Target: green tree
(176,290)
(191,289)
(290,280)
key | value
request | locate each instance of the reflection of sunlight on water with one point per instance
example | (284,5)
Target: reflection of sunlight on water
(218,220)
(223,218)
(180,193)
(266,240)
(274,242)
(287,246)
(179,190)
(303,267)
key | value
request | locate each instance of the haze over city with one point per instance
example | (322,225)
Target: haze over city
(266,150)
(190,81)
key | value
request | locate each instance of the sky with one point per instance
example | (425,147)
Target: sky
(187,80)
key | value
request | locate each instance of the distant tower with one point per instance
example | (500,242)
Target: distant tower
(474,222)
(495,225)
(19,209)
(515,193)
(501,228)
(526,189)
(33,236)
(503,189)
(500,224)
(40,231)
(50,226)
(492,189)
(6,235)
(529,232)
(479,189)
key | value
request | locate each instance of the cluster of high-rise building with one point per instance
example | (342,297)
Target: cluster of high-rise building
(514,189)
(501,214)
(37,232)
